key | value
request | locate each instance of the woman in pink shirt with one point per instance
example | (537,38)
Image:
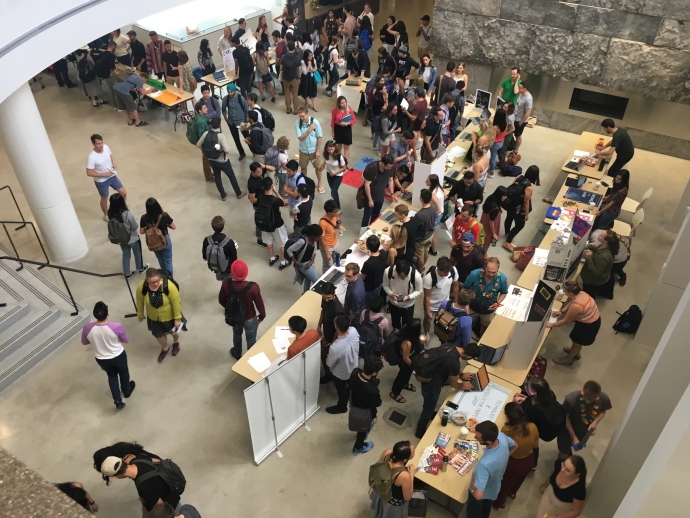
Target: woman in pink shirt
(342,120)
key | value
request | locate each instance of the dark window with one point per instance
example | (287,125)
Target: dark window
(600,104)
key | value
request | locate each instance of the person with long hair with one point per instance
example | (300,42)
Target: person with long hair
(596,271)
(262,63)
(379,104)
(262,33)
(389,127)
(336,165)
(342,120)
(365,34)
(582,310)
(613,201)
(521,461)
(119,211)
(427,73)
(122,450)
(485,136)
(399,31)
(155,217)
(459,74)
(438,201)
(307,86)
(407,346)
(519,209)
(187,80)
(332,63)
(509,137)
(205,58)
(500,127)
(417,127)
(307,43)
(491,216)
(397,247)
(386,36)
(564,492)
(86,69)
(480,164)
(402,478)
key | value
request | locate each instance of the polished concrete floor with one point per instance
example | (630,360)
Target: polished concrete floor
(191,408)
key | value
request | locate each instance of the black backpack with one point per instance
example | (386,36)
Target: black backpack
(555,417)
(209,146)
(267,117)
(369,336)
(427,362)
(86,72)
(167,470)
(235,310)
(515,194)
(263,215)
(410,276)
(244,59)
(390,348)
(434,277)
(167,277)
(629,320)
(290,63)
(311,185)
(298,256)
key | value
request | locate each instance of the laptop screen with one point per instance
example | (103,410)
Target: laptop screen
(483,377)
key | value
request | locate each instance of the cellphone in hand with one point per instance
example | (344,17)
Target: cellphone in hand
(400,298)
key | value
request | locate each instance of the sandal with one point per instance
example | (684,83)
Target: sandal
(398,398)
(566,350)
(142,123)
(563,360)
(130,123)
(410,387)
(322,190)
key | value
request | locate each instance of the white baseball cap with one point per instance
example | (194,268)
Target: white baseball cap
(110,466)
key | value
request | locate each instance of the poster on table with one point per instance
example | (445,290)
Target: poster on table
(228,61)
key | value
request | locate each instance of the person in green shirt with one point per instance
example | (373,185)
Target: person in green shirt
(199,125)
(621,144)
(508,90)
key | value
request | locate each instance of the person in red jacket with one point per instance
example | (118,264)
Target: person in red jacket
(253,304)
(465,222)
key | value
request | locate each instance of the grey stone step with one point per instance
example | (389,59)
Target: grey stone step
(11,314)
(24,330)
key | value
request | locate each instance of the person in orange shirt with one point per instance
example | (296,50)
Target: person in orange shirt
(303,338)
(465,222)
(329,223)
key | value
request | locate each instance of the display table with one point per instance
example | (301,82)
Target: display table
(588,142)
(178,97)
(213,82)
(589,186)
(353,94)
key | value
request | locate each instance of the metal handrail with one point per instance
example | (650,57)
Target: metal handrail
(24,222)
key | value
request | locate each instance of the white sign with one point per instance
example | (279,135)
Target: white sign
(228,61)
(485,405)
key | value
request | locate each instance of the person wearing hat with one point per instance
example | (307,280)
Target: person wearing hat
(404,63)
(152,489)
(253,304)
(234,109)
(424,35)
(467,257)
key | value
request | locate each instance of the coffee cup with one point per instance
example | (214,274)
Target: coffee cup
(597,185)
(463,432)
(592,204)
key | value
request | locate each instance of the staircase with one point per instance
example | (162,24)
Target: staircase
(37,319)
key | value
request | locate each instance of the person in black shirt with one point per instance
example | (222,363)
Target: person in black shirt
(255,190)
(154,211)
(364,393)
(229,249)
(138,52)
(411,225)
(357,64)
(302,211)
(377,176)
(432,134)
(279,235)
(244,66)
(466,192)
(171,61)
(330,308)
(386,63)
(386,37)
(372,269)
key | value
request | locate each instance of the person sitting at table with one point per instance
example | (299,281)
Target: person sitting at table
(401,179)
(613,201)
(491,287)
(123,99)
(466,192)
(564,492)
(303,337)
(401,150)
(584,312)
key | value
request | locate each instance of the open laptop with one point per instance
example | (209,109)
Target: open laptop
(490,355)
(406,197)
(486,114)
(480,380)
(352,82)
(220,76)
(389,217)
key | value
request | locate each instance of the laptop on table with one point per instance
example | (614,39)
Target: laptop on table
(490,355)
(480,380)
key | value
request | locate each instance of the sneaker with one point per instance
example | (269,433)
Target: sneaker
(261,243)
(119,110)
(367,447)
(105,218)
(419,434)
(273,99)
(120,405)
(241,195)
(146,267)
(162,356)
(241,157)
(176,349)
(273,260)
(336,410)
(491,174)
(622,281)
(129,275)
(235,354)
(132,385)
(283,265)
(433,252)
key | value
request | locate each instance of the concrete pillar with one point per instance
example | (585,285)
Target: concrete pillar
(39,175)
(653,404)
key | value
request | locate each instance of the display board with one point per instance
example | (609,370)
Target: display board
(482,99)
(282,401)
(422,172)
(485,405)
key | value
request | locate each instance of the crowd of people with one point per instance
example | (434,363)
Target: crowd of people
(382,294)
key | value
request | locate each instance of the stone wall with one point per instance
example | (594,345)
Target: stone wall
(636,46)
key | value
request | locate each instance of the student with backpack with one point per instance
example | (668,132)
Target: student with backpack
(518,204)
(218,250)
(215,148)
(260,138)
(407,345)
(234,108)
(291,70)
(433,368)
(87,75)
(122,230)
(300,250)
(292,182)
(459,307)
(391,480)
(159,295)
(467,257)
(440,283)
(195,129)
(301,212)
(402,284)
(464,223)
(244,66)
(267,217)
(374,315)
(155,225)
(364,402)
(330,224)
(244,307)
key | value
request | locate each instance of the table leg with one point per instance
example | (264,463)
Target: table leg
(447,506)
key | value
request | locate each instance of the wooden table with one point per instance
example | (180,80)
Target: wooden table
(212,82)
(182,98)
(307,306)
(451,483)
(588,142)
(353,94)
(589,186)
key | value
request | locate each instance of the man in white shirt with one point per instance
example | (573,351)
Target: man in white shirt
(101,167)
(367,12)
(440,282)
(107,338)
(122,47)
(424,35)
(402,284)
(343,357)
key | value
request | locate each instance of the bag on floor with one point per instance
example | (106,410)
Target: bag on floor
(381,478)
(359,419)
(216,260)
(369,337)
(155,239)
(445,323)
(511,170)
(513,158)
(628,321)
(235,309)
(418,505)
(117,232)
(525,257)
(165,469)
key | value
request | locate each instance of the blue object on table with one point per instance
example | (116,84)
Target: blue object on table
(581,196)
(553,212)
(196,72)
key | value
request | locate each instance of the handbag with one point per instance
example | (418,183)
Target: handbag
(361,197)
(317,77)
(359,419)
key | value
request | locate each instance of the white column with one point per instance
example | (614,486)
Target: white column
(39,175)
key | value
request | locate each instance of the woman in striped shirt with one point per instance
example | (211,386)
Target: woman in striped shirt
(584,312)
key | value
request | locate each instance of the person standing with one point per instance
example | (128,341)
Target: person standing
(107,338)
(87,75)
(215,148)
(564,492)
(582,310)
(62,73)
(343,357)
(307,86)
(119,212)
(467,257)
(425,229)
(263,69)
(444,84)
(101,167)
(244,66)
(491,216)
(334,61)
(509,89)
(521,461)
(123,97)
(330,308)
(599,263)
(584,410)
(310,135)
(235,109)
(432,135)
(490,287)
(302,211)
(195,129)
(336,165)
(205,58)
(303,338)
(291,68)
(402,478)
(402,284)
(342,120)
(523,110)
(225,48)
(375,312)
(373,268)
(223,247)
(292,182)
(410,226)
(364,388)
(424,34)
(407,345)
(621,144)
(121,47)
(255,190)
(488,472)
(138,52)
(459,307)
(440,283)
(466,192)
(355,295)
(330,223)
(159,296)
(155,218)
(519,204)
(302,253)
(269,220)
(377,177)
(465,224)
(154,56)
(172,61)
(104,68)
(254,310)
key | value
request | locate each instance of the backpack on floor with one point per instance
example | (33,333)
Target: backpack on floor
(117,232)
(235,310)
(425,364)
(155,239)
(382,477)
(263,215)
(390,351)
(482,233)
(369,336)
(525,257)
(311,184)
(167,470)
(216,259)
(209,146)
(511,170)
(629,320)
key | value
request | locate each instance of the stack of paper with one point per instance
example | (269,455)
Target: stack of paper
(259,362)
(540,255)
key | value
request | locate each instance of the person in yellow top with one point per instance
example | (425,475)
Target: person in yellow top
(161,298)
(521,462)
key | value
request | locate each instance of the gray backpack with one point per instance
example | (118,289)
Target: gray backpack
(271,157)
(267,138)
(215,255)
(117,232)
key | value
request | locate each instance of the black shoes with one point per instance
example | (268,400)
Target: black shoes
(261,243)
(120,405)
(235,355)
(336,410)
(132,385)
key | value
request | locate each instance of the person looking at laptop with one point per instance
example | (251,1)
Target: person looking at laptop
(448,370)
